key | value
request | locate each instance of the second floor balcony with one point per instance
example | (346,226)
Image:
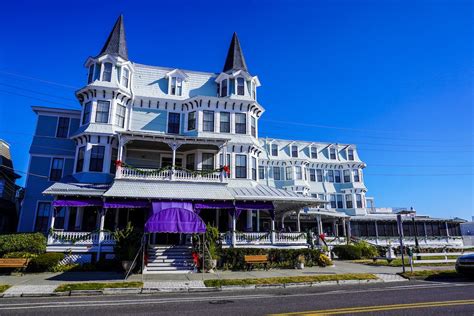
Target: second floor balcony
(171,174)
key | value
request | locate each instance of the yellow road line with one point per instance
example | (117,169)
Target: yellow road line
(376,308)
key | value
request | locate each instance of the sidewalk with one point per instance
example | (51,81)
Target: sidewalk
(45,283)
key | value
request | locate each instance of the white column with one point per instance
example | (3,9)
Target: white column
(249,225)
(344,232)
(66,218)
(273,230)
(53,218)
(298,222)
(234,225)
(101,231)
(79,215)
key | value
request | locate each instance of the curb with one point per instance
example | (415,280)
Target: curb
(121,291)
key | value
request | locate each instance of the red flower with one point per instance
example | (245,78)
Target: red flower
(196,259)
(226,169)
(322,236)
(118,163)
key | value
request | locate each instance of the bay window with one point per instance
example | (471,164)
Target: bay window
(356,175)
(86,114)
(253,126)
(102,112)
(97,158)
(241,166)
(107,74)
(359,200)
(80,158)
(349,201)
(207,161)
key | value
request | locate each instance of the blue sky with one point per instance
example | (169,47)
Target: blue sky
(393,77)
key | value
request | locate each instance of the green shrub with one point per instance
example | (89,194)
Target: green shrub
(127,242)
(20,254)
(367,250)
(347,252)
(33,243)
(233,258)
(45,262)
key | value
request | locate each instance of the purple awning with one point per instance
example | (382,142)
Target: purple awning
(126,204)
(174,220)
(77,203)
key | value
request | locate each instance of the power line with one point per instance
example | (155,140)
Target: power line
(35,98)
(39,80)
(34,91)
(28,173)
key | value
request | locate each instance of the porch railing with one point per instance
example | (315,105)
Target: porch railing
(170,175)
(257,238)
(79,238)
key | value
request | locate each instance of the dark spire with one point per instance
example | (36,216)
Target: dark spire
(116,43)
(235,58)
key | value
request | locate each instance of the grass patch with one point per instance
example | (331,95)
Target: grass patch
(431,274)
(4,287)
(295,279)
(96,286)
(398,263)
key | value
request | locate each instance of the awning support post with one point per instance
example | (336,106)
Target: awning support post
(298,221)
(234,225)
(101,232)
(273,231)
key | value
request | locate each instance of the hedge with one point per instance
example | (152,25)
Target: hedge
(45,262)
(34,243)
(233,258)
(360,250)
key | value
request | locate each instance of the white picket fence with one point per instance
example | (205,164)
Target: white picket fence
(447,257)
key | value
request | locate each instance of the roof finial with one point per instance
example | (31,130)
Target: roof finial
(235,58)
(116,43)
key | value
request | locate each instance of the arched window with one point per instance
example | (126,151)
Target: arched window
(240,86)
(107,75)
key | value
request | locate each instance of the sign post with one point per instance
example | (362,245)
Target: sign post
(400,234)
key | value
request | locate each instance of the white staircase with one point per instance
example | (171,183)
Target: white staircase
(169,259)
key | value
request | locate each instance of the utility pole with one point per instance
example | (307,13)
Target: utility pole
(400,234)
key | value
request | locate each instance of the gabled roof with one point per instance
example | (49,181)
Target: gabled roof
(116,43)
(235,58)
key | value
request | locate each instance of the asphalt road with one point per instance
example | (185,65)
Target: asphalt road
(407,298)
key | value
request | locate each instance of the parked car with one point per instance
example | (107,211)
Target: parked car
(465,264)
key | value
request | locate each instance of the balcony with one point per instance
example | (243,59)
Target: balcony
(170,175)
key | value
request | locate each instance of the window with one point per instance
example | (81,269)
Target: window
(86,115)
(339,201)
(294,151)
(274,150)
(299,174)
(347,176)
(176,86)
(224,88)
(125,77)
(113,159)
(330,175)
(253,126)
(120,115)
(117,72)
(207,161)
(97,158)
(277,173)
(91,73)
(314,152)
(241,166)
(240,123)
(289,173)
(80,158)
(337,175)
(225,122)
(42,216)
(261,172)
(321,197)
(312,175)
(190,161)
(356,175)
(102,112)
(319,175)
(191,120)
(240,86)
(254,168)
(107,75)
(218,89)
(350,154)
(333,200)
(332,153)
(173,123)
(359,200)
(97,72)
(349,201)
(63,127)
(208,121)
(56,171)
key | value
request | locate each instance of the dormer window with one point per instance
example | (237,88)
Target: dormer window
(176,86)
(274,150)
(313,152)
(107,74)
(91,73)
(240,86)
(224,88)
(294,151)
(97,72)
(125,77)
(332,153)
(350,154)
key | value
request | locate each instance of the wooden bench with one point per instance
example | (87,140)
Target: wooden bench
(250,260)
(13,262)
